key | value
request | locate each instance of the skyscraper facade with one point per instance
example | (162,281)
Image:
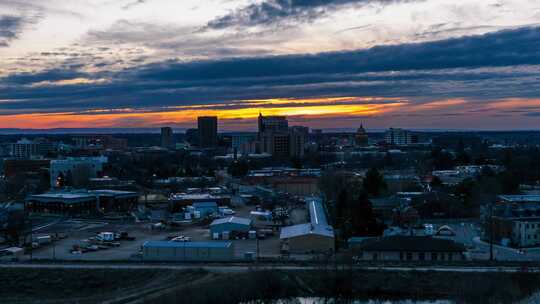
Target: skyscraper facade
(208,131)
(167,140)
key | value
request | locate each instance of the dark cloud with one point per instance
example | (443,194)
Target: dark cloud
(494,66)
(504,48)
(132,4)
(10,27)
(273,11)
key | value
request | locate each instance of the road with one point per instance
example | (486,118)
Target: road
(245,268)
(502,253)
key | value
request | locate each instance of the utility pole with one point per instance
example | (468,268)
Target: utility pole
(491,231)
(258,249)
(54,246)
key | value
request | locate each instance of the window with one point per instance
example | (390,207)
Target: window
(433,256)
(375,256)
(421,256)
(450,256)
(409,256)
(401,256)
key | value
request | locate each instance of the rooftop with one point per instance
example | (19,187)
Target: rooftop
(520,198)
(316,212)
(204,204)
(196,196)
(232,219)
(63,196)
(306,229)
(411,243)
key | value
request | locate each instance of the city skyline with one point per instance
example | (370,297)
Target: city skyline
(324,64)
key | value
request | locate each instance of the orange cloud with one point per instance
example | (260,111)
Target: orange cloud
(186,115)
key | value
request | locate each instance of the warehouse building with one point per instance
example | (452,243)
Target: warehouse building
(82,202)
(188,251)
(63,204)
(180,200)
(411,248)
(230,224)
(317,236)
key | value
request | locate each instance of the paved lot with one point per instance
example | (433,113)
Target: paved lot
(78,231)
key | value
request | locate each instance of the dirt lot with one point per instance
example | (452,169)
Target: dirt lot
(83,286)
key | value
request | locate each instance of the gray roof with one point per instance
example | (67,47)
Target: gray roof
(412,244)
(66,197)
(316,212)
(165,244)
(114,193)
(232,219)
(521,198)
(204,204)
(306,229)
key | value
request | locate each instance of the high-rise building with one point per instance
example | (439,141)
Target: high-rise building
(24,148)
(297,141)
(361,136)
(273,124)
(167,140)
(208,131)
(274,135)
(397,136)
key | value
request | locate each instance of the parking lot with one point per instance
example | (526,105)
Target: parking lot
(77,233)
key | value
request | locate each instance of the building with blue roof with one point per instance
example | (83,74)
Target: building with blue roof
(206,208)
(230,224)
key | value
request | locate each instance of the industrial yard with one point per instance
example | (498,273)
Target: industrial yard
(79,233)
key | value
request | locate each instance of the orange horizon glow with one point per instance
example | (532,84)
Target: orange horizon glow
(313,111)
(249,110)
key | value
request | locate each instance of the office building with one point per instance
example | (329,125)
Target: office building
(274,124)
(208,131)
(167,140)
(75,171)
(516,220)
(397,136)
(297,141)
(24,148)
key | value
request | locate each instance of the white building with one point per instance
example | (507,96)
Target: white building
(79,169)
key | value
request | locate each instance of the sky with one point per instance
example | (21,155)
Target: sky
(330,64)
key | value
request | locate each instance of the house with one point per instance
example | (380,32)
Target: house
(230,224)
(410,248)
